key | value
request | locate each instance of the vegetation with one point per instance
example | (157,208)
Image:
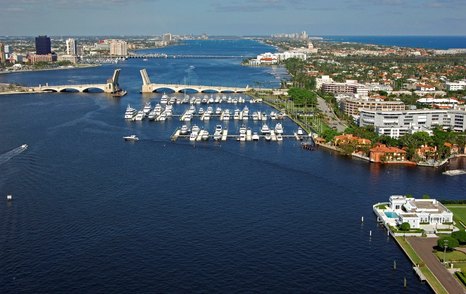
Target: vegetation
(451,243)
(459,211)
(405,227)
(302,97)
(460,236)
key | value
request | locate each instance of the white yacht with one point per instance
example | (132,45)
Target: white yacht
(130,112)
(164,99)
(169,110)
(279,128)
(279,137)
(273,115)
(162,116)
(193,136)
(236,115)
(268,137)
(265,129)
(255,116)
(195,129)
(204,135)
(210,110)
(184,130)
(139,116)
(201,111)
(172,100)
(300,132)
(245,113)
(218,110)
(131,138)
(242,133)
(255,136)
(241,99)
(264,116)
(226,114)
(147,108)
(218,132)
(152,115)
(206,116)
(211,99)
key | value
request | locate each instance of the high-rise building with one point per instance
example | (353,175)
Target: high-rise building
(2,53)
(118,48)
(71,47)
(167,37)
(43,45)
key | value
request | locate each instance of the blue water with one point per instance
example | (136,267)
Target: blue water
(428,42)
(391,214)
(96,214)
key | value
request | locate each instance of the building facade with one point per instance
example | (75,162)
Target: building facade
(43,45)
(398,123)
(417,212)
(354,106)
(348,87)
(455,86)
(118,48)
(71,47)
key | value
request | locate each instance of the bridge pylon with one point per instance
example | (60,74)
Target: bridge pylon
(112,83)
(146,84)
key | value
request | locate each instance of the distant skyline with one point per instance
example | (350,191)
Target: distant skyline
(234,17)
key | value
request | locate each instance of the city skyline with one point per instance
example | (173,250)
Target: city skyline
(236,17)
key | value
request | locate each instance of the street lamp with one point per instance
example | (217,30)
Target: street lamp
(445,245)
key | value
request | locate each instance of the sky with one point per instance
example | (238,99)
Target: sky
(232,17)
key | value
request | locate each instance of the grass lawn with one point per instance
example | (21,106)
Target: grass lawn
(452,256)
(459,212)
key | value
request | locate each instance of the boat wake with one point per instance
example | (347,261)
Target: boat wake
(12,153)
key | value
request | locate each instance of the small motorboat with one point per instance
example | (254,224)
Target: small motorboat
(132,138)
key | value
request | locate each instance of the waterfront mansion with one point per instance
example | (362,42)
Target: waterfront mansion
(416,212)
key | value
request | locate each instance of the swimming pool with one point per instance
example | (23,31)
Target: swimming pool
(391,214)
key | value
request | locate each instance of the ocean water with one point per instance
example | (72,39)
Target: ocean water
(92,213)
(428,42)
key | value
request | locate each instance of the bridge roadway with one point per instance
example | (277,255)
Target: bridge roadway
(111,86)
(186,56)
(149,87)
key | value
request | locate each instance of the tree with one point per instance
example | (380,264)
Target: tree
(425,196)
(451,243)
(405,227)
(460,236)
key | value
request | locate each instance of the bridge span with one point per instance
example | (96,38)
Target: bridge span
(110,87)
(148,87)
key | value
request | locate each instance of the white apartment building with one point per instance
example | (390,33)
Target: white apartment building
(456,86)
(399,123)
(71,47)
(274,58)
(118,48)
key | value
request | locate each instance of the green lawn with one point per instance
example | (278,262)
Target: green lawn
(459,213)
(452,256)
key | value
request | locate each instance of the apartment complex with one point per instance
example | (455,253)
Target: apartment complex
(348,87)
(398,123)
(118,48)
(456,86)
(353,106)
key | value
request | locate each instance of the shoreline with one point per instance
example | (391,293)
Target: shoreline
(50,69)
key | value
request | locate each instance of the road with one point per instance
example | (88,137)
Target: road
(334,121)
(423,247)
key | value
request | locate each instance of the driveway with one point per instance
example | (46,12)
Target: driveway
(423,247)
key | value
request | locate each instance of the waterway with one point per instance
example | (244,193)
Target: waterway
(92,212)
